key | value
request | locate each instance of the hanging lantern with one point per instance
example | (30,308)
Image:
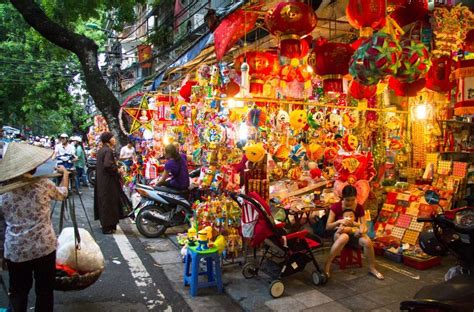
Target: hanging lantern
(290,22)
(406,88)
(465,92)
(358,91)
(409,12)
(415,61)
(366,15)
(186,90)
(469,42)
(260,66)
(438,77)
(375,58)
(330,60)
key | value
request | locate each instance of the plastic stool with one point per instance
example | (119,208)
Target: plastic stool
(192,271)
(349,257)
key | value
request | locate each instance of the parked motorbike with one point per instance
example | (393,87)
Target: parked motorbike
(91,170)
(161,207)
(452,232)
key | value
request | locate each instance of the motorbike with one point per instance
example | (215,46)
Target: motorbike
(91,170)
(452,232)
(160,208)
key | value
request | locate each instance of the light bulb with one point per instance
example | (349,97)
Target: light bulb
(421,111)
(243,132)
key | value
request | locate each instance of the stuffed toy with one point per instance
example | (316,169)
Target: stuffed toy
(298,119)
(255,152)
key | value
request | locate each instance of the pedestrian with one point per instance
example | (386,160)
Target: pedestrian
(127,154)
(65,150)
(30,241)
(80,163)
(109,198)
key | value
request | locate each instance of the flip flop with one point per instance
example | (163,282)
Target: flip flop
(377,275)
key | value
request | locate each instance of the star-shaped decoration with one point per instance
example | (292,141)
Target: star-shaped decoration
(141,115)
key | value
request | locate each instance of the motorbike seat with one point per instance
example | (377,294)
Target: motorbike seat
(171,190)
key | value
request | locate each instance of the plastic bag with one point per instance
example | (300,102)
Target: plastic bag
(87,258)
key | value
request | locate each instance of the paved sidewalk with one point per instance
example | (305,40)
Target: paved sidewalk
(348,290)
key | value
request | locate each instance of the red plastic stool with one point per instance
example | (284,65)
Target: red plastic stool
(349,257)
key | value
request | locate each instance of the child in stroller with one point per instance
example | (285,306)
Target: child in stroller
(284,253)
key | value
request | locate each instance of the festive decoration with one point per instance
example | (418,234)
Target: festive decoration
(290,21)
(330,60)
(282,152)
(282,119)
(366,15)
(144,55)
(255,152)
(257,117)
(376,58)
(359,91)
(231,29)
(465,95)
(350,120)
(260,66)
(438,77)
(415,61)
(350,143)
(141,115)
(409,11)
(406,88)
(186,90)
(314,151)
(298,119)
(298,152)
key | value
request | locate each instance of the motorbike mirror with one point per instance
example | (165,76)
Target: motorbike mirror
(431,197)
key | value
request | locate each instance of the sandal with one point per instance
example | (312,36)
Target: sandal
(377,275)
(108,231)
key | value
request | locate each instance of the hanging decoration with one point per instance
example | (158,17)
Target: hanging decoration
(260,66)
(140,115)
(376,58)
(290,22)
(359,91)
(366,15)
(409,11)
(439,78)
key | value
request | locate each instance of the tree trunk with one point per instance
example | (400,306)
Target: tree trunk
(86,51)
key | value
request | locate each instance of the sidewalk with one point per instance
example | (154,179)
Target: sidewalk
(348,290)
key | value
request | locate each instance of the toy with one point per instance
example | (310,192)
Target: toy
(298,119)
(255,152)
(202,240)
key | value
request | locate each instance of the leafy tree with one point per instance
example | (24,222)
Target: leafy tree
(59,21)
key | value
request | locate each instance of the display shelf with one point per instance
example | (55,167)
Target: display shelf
(458,122)
(464,152)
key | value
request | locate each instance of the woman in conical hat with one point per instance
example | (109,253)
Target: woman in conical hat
(30,241)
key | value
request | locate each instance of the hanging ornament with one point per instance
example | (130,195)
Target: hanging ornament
(330,60)
(186,90)
(350,120)
(350,143)
(257,117)
(409,11)
(214,134)
(409,89)
(366,15)
(260,66)
(298,152)
(376,58)
(316,119)
(255,152)
(290,22)
(298,119)
(282,119)
(314,151)
(359,91)
(415,61)
(438,77)
(282,152)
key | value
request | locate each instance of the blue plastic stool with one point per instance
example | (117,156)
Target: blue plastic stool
(192,272)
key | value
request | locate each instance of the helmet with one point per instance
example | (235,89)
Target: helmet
(64,135)
(431,245)
(76,138)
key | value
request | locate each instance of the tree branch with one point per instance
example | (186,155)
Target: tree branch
(86,51)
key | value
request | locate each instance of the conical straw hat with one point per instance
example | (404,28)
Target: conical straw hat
(20,159)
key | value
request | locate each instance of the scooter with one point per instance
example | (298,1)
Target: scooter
(91,170)
(453,232)
(161,207)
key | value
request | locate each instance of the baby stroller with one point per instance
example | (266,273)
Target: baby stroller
(284,253)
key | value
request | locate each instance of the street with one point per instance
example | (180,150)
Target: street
(132,280)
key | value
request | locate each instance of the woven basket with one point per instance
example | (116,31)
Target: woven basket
(77,282)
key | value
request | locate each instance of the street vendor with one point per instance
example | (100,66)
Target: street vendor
(343,236)
(176,174)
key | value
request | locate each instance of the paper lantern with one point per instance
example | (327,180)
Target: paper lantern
(358,91)
(290,21)
(465,92)
(298,119)
(469,42)
(366,15)
(409,12)
(314,151)
(282,152)
(231,89)
(415,61)
(350,143)
(255,152)
(409,89)
(260,66)
(330,60)
(375,58)
(357,166)
(438,77)
(330,153)
(257,117)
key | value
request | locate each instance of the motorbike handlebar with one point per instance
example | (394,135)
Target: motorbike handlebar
(425,219)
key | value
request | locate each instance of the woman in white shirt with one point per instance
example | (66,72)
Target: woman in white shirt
(127,154)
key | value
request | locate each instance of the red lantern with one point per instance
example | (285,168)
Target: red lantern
(261,65)
(358,91)
(464,93)
(366,15)
(406,88)
(231,89)
(469,41)
(410,12)
(290,21)
(330,60)
(438,77)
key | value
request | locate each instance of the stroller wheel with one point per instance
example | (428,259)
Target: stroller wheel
(249,270)
(277,288)
(319,278)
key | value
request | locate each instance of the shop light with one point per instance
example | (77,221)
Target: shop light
(243,132)
(421,111)
(231,103)
(309,69)
(166,140)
